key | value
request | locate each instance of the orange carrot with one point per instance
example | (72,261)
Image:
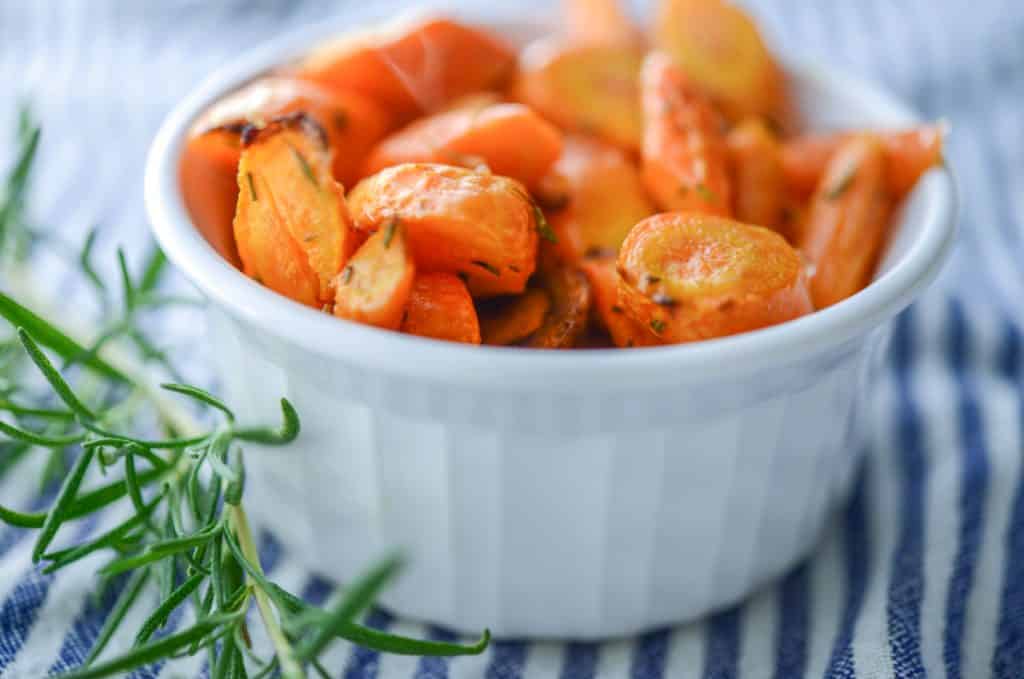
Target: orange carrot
(479,226)
(566,320)
(847,221)
(599,21)
(623,329)
(440,307)
(510,321)
(685,164)
(690,276)
(507,139)
(208,174)
(375,285)
(758,186)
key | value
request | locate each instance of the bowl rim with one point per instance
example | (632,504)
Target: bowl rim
(505,368)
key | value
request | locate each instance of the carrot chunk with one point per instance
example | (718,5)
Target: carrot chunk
(375,285)
(847,221)
(208,175)
(691,276)
(599,21)
(584,88)
(566,320)
(623,329)
(507,139)
(440,307)
(412,69)
(479,226)
(908,155)
(758,185)
(685,163)
(291,225)
(512,320)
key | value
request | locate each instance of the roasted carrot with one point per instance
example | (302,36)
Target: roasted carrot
(375,285)
(566,320)
(691,276)
(599,21)
(412,69)
(507,139)
(758,186)
(511,320)
(908,155)
(720,49)
(605,198)
(292,227)
(847,221)
(440,307)
(623,329)
(208,174)
(479,226)
(584,88)
(685,163)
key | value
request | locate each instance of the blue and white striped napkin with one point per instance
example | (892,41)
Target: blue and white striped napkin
(921,575)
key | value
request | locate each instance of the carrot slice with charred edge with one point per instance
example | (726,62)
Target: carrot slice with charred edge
(623,329)
(440,307)
(605,198)
(375,285)
(758,186)
(516,319)
(292,227)
(599,21)
(690,276)
(685,164)
(847,222)
(208,175)
(908,155)
(481,227)
(720,49)
(584,88)
(507,139)
(411,69)
(566,320)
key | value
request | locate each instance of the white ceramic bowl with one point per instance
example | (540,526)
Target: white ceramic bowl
(553,494)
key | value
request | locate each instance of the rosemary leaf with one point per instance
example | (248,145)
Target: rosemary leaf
(159,550)
(280,436)
(65,497)
(121,607)
(60,386)
(202,396)
(36,439)
(152,272)
(158,617)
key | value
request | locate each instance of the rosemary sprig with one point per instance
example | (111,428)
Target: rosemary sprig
(179,494)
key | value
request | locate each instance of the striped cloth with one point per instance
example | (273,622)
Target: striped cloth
(922,574)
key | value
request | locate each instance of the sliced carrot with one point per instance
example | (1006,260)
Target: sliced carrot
(375,285)
(599,21)
(721,50)
(208,175)
(690,276)
(414,68)
(440,307)
(758,185)
(685,163)
(584,88)
(507,139)
(847,221)
(605,198)
(479,226)
(510,321)
(292,227)
(908,155)
(623,329)
(566,320)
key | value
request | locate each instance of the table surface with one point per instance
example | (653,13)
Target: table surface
(922,574)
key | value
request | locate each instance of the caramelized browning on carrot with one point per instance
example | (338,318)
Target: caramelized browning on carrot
(847,222)
(440,307)
(605,198)
(510,321)
(908,155)
(623,329)
(690,276)
(507,139)
(479,226)
(566,320)
(758,186)
(599,21)
(585,88)
(720,48)
(685,166)
(208,174)
(412,69)
(292,227)
(375,285)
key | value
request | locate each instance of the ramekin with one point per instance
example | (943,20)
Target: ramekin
(580,494)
